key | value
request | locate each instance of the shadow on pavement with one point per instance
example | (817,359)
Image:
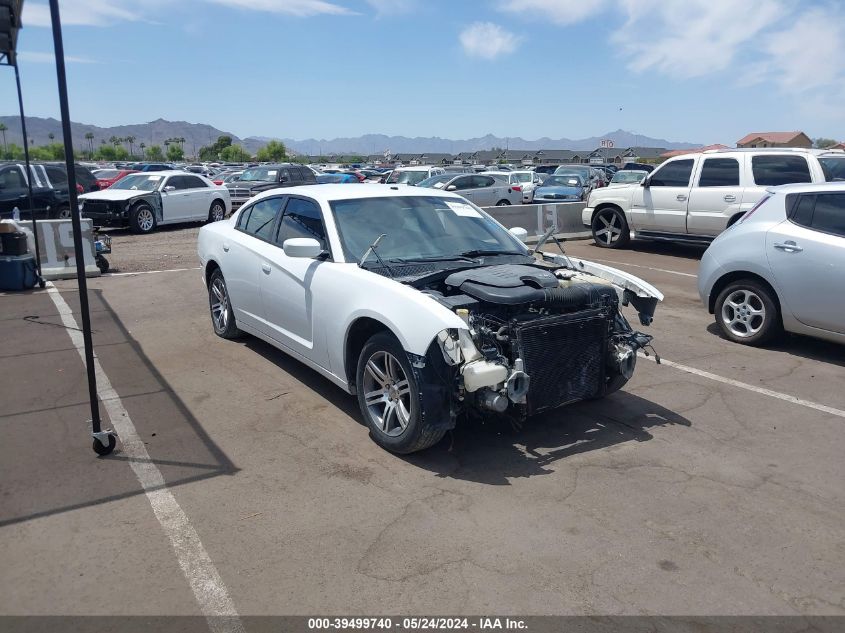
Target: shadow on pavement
(799,345)
(671,249)
(47,465)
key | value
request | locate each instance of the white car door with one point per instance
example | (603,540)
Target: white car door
(807,258)
(661,203)
(198,196)
(464,187)
(285,282)
(241,259)
(715,197)
(175,203)
(488,191)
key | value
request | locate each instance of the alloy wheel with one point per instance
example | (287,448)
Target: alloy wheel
(145,219)
(219,304)
(217,212)
(387,393)
(744,313)
(608,227)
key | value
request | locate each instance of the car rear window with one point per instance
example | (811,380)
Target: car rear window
(780,170)
(823,212)
(833,168)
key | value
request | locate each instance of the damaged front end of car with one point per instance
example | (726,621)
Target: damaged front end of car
(537,337)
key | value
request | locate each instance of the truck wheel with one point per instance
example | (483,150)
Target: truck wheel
(610,228)
(142,219)
(389,397)
(62,213)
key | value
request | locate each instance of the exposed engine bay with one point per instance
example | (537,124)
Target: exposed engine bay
(539,335)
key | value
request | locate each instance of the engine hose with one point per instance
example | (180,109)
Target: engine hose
(568,297)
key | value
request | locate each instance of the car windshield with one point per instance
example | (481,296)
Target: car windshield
(260,174)
(833,168)
(628,176)
(563,180)
(141,182)
(406,177)
(437,182)
(419,227)
(105,174)
(232,178)
(524,176)
(566,169)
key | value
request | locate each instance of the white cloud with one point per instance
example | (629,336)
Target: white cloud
(487,40)
(563,12)
(392,7)
(299,8)
(694,37)
(37,57)
(81,13)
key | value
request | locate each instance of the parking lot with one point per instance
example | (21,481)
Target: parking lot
(712,484)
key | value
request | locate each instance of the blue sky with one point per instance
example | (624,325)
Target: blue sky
(687,70)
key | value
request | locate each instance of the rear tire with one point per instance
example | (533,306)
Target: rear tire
(142,219)
(388,396)
(217,211)
(747,313)
(610,228)
(503,203)
(62,213)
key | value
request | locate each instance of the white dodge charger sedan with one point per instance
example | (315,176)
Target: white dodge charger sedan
(421,304)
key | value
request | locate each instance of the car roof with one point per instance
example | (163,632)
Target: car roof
(418,168)
(808,187)
(330,192)
(170,172)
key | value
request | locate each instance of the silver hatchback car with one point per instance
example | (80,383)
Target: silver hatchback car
(780,267)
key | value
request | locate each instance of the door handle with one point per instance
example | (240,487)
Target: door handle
(729,198)
(680,197)
(225,247)
(788,246)
(266,268)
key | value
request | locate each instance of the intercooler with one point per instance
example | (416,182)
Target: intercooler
(564,357)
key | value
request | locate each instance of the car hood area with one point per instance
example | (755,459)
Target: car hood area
(551,192)
(115,195)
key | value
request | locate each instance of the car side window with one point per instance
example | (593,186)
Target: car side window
(829,213)
(780,170)
(802,212)
(302,218)
(463,183)
(284,175)
(719,172)
(259,223)
(12,179)
(674,174)
(177,182)
(192,182)
(482,181)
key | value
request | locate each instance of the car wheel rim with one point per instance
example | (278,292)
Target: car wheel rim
(217,213)
(744,313)
(145,219)
(64,214)
(219,305)
(608,228)
(387,394)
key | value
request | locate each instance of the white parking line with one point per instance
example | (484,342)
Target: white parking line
(149,272)
(743,385)
(202,576)
(661,270)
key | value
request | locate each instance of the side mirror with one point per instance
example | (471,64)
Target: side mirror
(452,188)
(306,247)
(170,188)
(519,233)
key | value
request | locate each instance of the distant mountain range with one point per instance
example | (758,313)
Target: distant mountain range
(197,135)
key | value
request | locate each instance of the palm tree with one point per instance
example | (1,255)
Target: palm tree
(143,146)
(3,129)
(89,136)
(182,142)
(114,141)
(131,141)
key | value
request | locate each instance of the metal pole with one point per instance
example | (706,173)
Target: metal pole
(74,217)
(28,173)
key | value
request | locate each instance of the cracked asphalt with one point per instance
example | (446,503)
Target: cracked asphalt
(678,496)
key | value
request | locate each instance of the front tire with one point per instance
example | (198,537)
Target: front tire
(217,211)
(610,228)
(142,219)
(747,313)
(220,306)
(388,396)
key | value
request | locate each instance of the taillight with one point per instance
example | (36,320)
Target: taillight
(217,182)
(516,187)
(79,189)
(753,209)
